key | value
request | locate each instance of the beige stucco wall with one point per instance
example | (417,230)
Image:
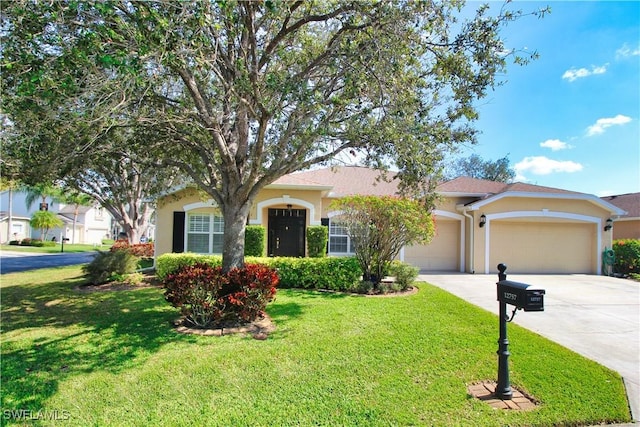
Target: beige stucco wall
(309,200)
(578,224)
(626,229)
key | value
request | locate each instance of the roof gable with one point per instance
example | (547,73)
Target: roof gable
(629,202)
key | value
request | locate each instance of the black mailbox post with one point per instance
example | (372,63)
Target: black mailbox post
(520,296)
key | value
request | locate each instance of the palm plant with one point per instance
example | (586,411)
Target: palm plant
(77,199)
(40,191)
(45,221)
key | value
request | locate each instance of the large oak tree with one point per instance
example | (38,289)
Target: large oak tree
(238,93)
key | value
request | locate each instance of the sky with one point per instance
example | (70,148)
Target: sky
(570,119)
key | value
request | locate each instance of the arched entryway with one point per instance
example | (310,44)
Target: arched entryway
(287,232)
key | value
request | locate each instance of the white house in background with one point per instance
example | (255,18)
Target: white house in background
(93,223)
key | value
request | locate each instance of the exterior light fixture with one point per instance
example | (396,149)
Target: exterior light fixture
(609,225)
(483,220)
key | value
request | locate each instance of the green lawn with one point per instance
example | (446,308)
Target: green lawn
(55,249)
(112,358)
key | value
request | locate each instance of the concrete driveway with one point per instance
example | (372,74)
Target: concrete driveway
(595,316)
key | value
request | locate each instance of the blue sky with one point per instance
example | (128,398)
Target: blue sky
(570,119)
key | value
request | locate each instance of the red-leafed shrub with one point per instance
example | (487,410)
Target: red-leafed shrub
(142,250)
(207,296)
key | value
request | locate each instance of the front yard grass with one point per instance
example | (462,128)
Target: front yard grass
(113,358)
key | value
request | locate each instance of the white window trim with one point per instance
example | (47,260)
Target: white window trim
(210,233)
(331,215)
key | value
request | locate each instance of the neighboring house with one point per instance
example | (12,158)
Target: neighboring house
(627,226)
(92,224)
(479,224)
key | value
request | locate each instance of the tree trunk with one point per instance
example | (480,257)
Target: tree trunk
(235,212)
(133,234)
(10,221)
(75,223)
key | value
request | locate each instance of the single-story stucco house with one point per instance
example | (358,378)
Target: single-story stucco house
(626,226)
(479,224)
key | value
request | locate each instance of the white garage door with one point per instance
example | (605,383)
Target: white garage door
(543,247)
(442,254)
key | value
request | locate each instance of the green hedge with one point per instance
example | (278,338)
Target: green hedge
(317,239)
(254,238)
(37,243)
(340,274)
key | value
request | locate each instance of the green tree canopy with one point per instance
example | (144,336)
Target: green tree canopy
(238,93)
(476,167)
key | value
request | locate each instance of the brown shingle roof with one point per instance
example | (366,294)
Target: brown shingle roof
(467,185)
(348,180)
(345,180)
(628,202)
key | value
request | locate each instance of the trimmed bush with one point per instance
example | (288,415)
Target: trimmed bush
(254,238)
(26,241)
(627,256)
(340,274)
(37,243)
(172,262)
(142,250)
(108,266)
(317,239)
(207,296)
(405,274)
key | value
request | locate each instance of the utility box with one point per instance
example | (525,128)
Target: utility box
(520,296)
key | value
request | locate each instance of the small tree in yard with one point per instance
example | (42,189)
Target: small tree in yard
(380,226)
(45,221)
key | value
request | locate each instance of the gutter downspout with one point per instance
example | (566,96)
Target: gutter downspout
(471,240)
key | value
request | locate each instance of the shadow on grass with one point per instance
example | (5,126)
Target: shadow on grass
(51,332)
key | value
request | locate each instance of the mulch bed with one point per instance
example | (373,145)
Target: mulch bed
(259,328)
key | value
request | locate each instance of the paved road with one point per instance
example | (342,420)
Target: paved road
(595,316)
(11,262)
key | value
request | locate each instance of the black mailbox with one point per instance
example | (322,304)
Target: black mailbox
(518,294)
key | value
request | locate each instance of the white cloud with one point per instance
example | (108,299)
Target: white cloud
(555,145)
(625,52)
(574,74)
(540,165)
(601,124)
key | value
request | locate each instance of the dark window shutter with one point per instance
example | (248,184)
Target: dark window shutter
(178,232)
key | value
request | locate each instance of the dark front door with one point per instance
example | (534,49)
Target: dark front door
(286,232)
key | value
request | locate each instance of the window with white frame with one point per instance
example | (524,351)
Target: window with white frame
(205,233)
(99,213)
(339,240)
